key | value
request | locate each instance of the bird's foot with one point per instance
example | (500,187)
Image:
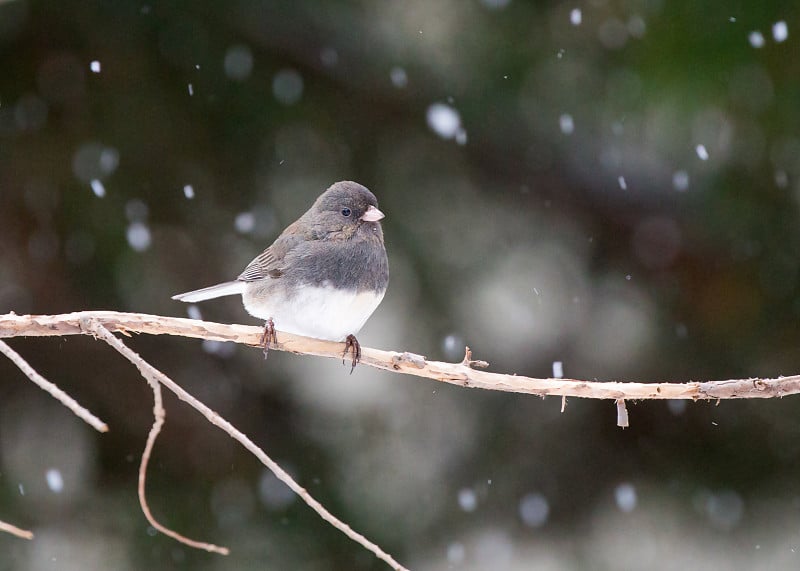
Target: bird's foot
(351,344)
(269,336)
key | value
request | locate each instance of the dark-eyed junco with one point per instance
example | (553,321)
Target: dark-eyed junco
(322,277)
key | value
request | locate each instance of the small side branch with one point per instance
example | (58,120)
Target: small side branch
(159,416)
(156,378)
(14,530)
(54,391)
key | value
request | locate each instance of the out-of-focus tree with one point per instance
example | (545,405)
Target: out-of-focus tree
(611,185)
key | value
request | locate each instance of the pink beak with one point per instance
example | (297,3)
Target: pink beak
(372,214)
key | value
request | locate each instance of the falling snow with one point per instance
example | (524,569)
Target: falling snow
(136,210)
(221,349)
(534,510)
(724,509)
(55,481)
(94,161)
(467,499)
(444,120)
(273,493)
(244,222)
(676,407)
(399,77)
(566,124)
(98,188)
(194,312)
(702,153)
(453,346)
(138,236)
(625,497)
(287,86)
(636,26)
(756,39)
(780,31)
(329,57)
(680,180)
(455,553)
(238,62)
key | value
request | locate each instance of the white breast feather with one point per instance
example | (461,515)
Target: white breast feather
(319,312)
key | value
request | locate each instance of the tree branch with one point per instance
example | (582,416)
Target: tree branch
(54,391)
(462,374)
(157,378)
(101,323)
(153,378)
(91,323)
(14,530)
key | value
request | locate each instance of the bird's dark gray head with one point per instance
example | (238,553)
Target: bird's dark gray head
(346,194)
(343,209)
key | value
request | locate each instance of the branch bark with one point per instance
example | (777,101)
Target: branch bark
(462,374)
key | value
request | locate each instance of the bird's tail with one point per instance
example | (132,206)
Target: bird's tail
(211,292)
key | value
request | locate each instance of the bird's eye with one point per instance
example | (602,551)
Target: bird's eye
(346,212)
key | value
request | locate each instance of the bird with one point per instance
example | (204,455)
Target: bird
(323,277)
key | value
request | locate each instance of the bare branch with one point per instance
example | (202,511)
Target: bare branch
(156,377)
(56,393)
(462,374)
(102,323)
(159,415)
(14,530)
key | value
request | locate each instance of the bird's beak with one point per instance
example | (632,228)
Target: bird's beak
(372,214)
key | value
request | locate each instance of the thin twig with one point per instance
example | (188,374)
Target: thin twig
(54,391)
(159,415)
(14,530)
(150,372)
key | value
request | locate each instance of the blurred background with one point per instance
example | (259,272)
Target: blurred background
(612,185)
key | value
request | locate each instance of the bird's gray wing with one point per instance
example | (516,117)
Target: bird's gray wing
(270,262)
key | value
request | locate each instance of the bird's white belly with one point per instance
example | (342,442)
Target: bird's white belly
(319,312)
